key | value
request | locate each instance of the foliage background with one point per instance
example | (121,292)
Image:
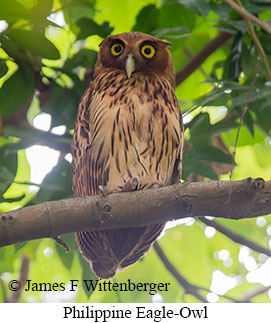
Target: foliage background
(47,56)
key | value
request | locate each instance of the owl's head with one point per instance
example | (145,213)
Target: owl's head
(136,52)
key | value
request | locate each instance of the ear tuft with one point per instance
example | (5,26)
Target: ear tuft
(101,43)
(165,42)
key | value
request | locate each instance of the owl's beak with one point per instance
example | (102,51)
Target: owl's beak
(130,65)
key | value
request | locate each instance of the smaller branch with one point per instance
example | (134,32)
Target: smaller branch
(4,293)
(117,292)
(257,43)
(189,288)
(31,136)
(183,282)
(243,112)
(247,15)
(62,244)
(253,293)
(190,55)
(201,56)
(236,237)
(15,296)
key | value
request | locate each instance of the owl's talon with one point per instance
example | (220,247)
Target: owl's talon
(132,184)
(156,184)
(104,190)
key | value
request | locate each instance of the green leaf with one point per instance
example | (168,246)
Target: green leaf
(11,200)
(89,27)
(193,166)
(75,9)
(11,10)
(8,160)
(17,90)
(251,96)
(264,39)
(85,57)
(221,9)
(209,153)
(232,66)
(147,20)
(6,179)
(201,128)
(173,14)
(56,185)
(257,8)
(63,106)
(34,42)
(12,49)
(3,68)
(33,136)
(263,115)
(87,274)
(216,97)
(249,122)
(201,8)
(174,33)
(67,257)
(7,257)
(42,8)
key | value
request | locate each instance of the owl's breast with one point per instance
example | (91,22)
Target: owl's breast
(135,129)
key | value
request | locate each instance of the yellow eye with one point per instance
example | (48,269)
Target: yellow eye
(117,49)
(148,51)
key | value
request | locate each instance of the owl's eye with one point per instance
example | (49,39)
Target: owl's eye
(148,51)
(117,49)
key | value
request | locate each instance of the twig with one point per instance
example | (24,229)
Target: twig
(190,55)
(62,244)
(4,293)
(189,288)
(243,112)
(236,237)
(253,293)
(247,15)
(257,43)
(15,296)
(201,56)
(117,292)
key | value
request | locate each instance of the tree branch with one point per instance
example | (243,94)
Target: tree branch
(201,56)
(247,15)
(236,237)
(15,296)
(233,200)
(253,293)
(188,287)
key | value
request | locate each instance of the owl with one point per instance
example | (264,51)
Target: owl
(128,136)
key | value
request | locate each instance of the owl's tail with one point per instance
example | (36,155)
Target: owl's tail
(110,250)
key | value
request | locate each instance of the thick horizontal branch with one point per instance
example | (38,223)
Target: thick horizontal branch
(233,200)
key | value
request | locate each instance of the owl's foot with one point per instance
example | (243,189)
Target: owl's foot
(132,184)
(155,185)
(104,190)
(62,244)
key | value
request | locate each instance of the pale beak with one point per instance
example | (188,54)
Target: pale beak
(130,65)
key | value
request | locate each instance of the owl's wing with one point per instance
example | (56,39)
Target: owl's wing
(177,171)
(88,171)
